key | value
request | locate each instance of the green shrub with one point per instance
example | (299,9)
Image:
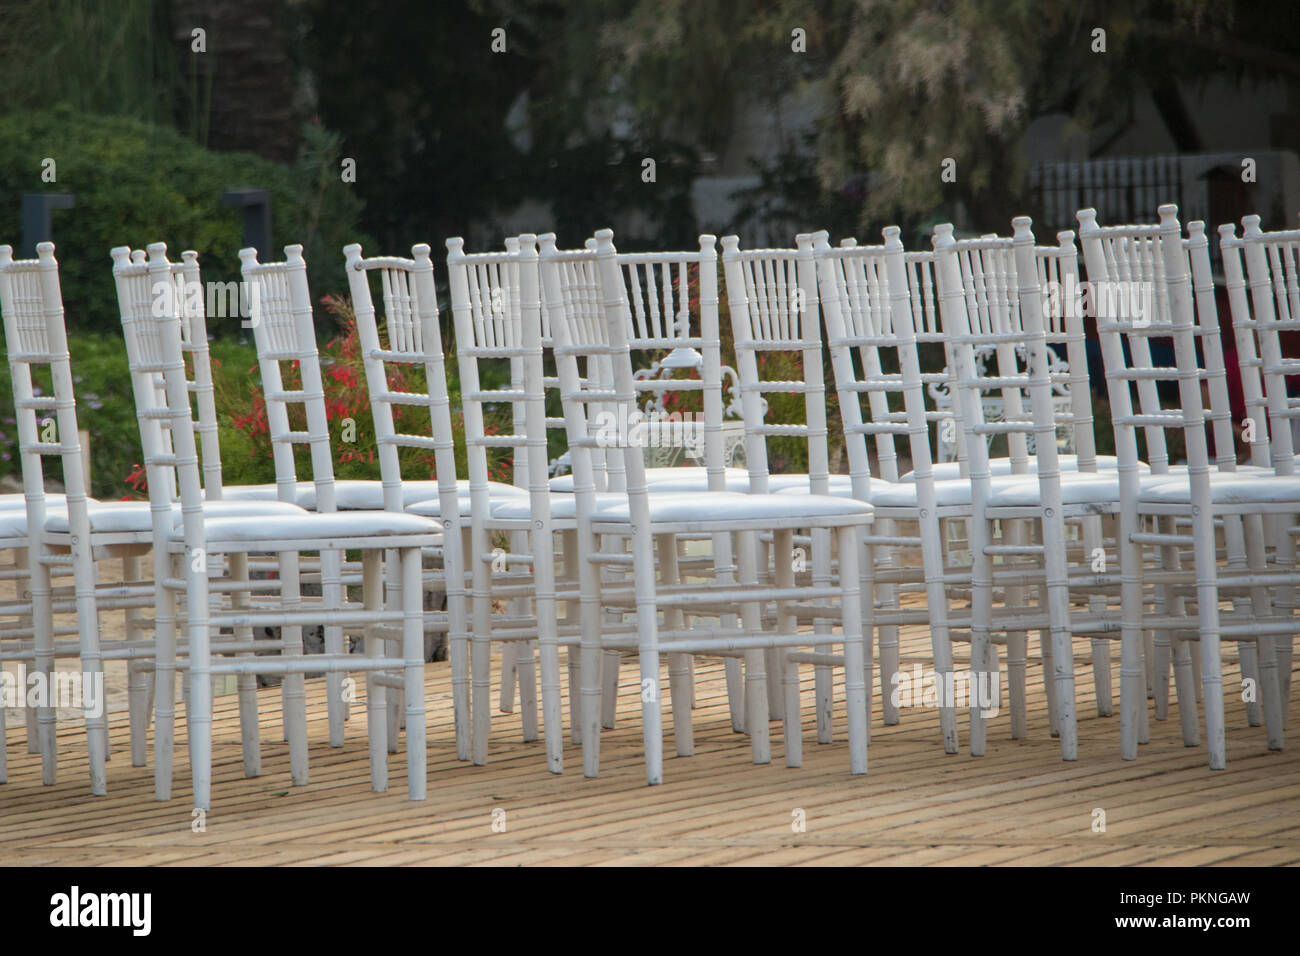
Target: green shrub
(245,433)
(105,409)
(136,184)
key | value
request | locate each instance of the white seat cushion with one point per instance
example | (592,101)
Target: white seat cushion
(676,507)
(309,525)
(13,523)
(261,492)
(1181,470)
(127,517)
(1082,489)
(360,494)
(369,495)
(947,470)
(896,494)
(1004,490)
(19,501)
(497,493)
(738,482)
(688,478)
(1227,488)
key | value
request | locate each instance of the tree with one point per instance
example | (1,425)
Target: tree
(903,85)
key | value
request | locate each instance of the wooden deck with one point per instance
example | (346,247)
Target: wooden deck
(1018,805)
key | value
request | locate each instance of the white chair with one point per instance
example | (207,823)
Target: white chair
(649,522)
(35,336)
(769,290)
(1006,310)
(858,287)
(1185,313)
(1273,264)
(772,295)
(201,541)
(407,335)
(284,331)
(51,530)
(495,301)
(867,311)
(138,294)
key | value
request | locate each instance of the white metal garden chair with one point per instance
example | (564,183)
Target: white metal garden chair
(583,336)
(284,332)
(408,333)
(1133,273)
(1273,266)
(51,531)
(856,287)
(868,316)
(1088,499)
(671,319)
(991,297)
(1185,313)
(199,539)
(35,336)
(495,301)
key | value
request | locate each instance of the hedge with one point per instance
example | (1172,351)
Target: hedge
(136,184)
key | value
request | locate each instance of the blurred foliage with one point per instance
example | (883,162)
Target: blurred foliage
(452,141)
(106,408)
(897,86)
(245,432)
(111,58)
(136,184)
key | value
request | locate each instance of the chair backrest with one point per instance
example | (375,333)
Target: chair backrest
(151,307)
(1273,266)
(673,326)
(1152,286)
(136,298)
(589,325)
(986,290)
(496,306)
(991,301)
(578,286)
(284,330)
(194,345)
(407,335)
(671,330)
(1063,328)
(772,295)
(870,327)
(35,336)
(1059,277)
(1161,260)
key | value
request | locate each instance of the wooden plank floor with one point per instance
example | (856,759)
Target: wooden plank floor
(1018,805)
